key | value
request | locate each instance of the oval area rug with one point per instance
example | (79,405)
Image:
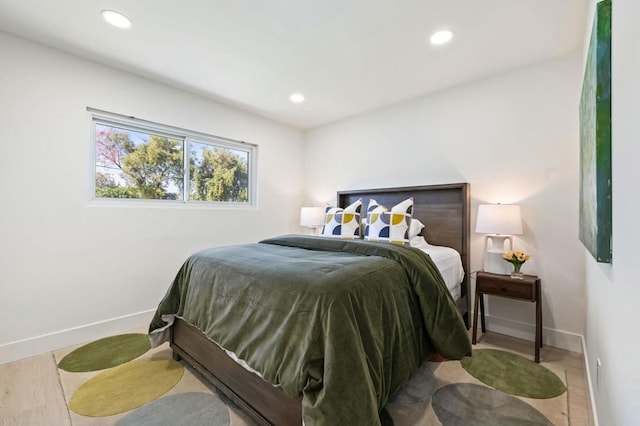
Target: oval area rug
(513,374)
(126,387)
(184,409)
(420,388)
(105,353)
(470,404)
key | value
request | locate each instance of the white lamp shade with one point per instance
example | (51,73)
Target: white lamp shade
(504,219)
(311,216)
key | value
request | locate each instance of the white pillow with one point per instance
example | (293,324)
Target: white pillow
(415,228)
(419,242)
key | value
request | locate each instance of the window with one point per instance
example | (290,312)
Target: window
(137,159)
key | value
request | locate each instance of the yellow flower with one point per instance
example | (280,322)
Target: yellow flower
(516,257)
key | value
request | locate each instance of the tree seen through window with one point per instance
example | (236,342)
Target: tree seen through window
(141,165)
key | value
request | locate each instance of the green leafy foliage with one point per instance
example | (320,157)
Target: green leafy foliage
(152,168)
(106,187)
(219,176)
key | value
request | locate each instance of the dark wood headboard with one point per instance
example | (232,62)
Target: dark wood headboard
(445,211)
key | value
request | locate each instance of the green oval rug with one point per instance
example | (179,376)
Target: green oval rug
(126,387)
(513,374)
(105,353)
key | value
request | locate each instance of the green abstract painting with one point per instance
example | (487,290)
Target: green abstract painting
(595,139)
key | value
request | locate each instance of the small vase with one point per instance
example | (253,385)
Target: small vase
(516,271)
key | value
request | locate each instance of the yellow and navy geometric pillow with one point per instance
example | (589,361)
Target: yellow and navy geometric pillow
(389,225)
(343,223)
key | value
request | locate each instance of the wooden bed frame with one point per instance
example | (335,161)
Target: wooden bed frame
(444,209)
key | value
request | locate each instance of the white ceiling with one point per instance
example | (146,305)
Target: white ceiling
(345,56)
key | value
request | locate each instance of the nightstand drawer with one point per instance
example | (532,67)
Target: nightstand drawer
(511,288)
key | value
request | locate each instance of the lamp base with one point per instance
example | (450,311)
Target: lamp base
(494,248)
(495,264)
(314,230)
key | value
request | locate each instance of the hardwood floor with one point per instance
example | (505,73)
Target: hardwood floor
(31,394)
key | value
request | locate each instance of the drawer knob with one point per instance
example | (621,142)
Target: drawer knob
(503,288)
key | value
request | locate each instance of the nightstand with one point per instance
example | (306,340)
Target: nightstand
(527,289)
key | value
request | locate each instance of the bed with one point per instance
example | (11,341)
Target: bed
(444,209)
(364,364)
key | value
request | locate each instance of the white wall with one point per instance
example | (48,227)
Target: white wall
(514,138)
(65,264)
(613,291)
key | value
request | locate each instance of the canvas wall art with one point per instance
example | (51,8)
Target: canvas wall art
(595,139)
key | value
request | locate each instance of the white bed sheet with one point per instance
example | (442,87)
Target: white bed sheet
(447,260)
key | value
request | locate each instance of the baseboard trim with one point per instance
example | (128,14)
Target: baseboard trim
(592,399)
(37,345)
(551,337)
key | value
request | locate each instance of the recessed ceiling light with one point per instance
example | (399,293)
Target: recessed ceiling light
(296,98)
(441,37)
(116,19)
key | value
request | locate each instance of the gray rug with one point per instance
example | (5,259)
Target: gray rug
(444,393)
(420,388)
(185,409)
(468,404)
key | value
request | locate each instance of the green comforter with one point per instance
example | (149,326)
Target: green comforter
(342,323)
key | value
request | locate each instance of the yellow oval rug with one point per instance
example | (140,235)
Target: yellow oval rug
(126,387)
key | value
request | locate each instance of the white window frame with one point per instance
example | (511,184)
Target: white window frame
(186,136)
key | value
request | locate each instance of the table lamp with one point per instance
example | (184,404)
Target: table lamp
(500,222)
(312,218)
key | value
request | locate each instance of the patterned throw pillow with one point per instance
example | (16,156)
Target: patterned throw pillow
(389,225)
(343,223)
